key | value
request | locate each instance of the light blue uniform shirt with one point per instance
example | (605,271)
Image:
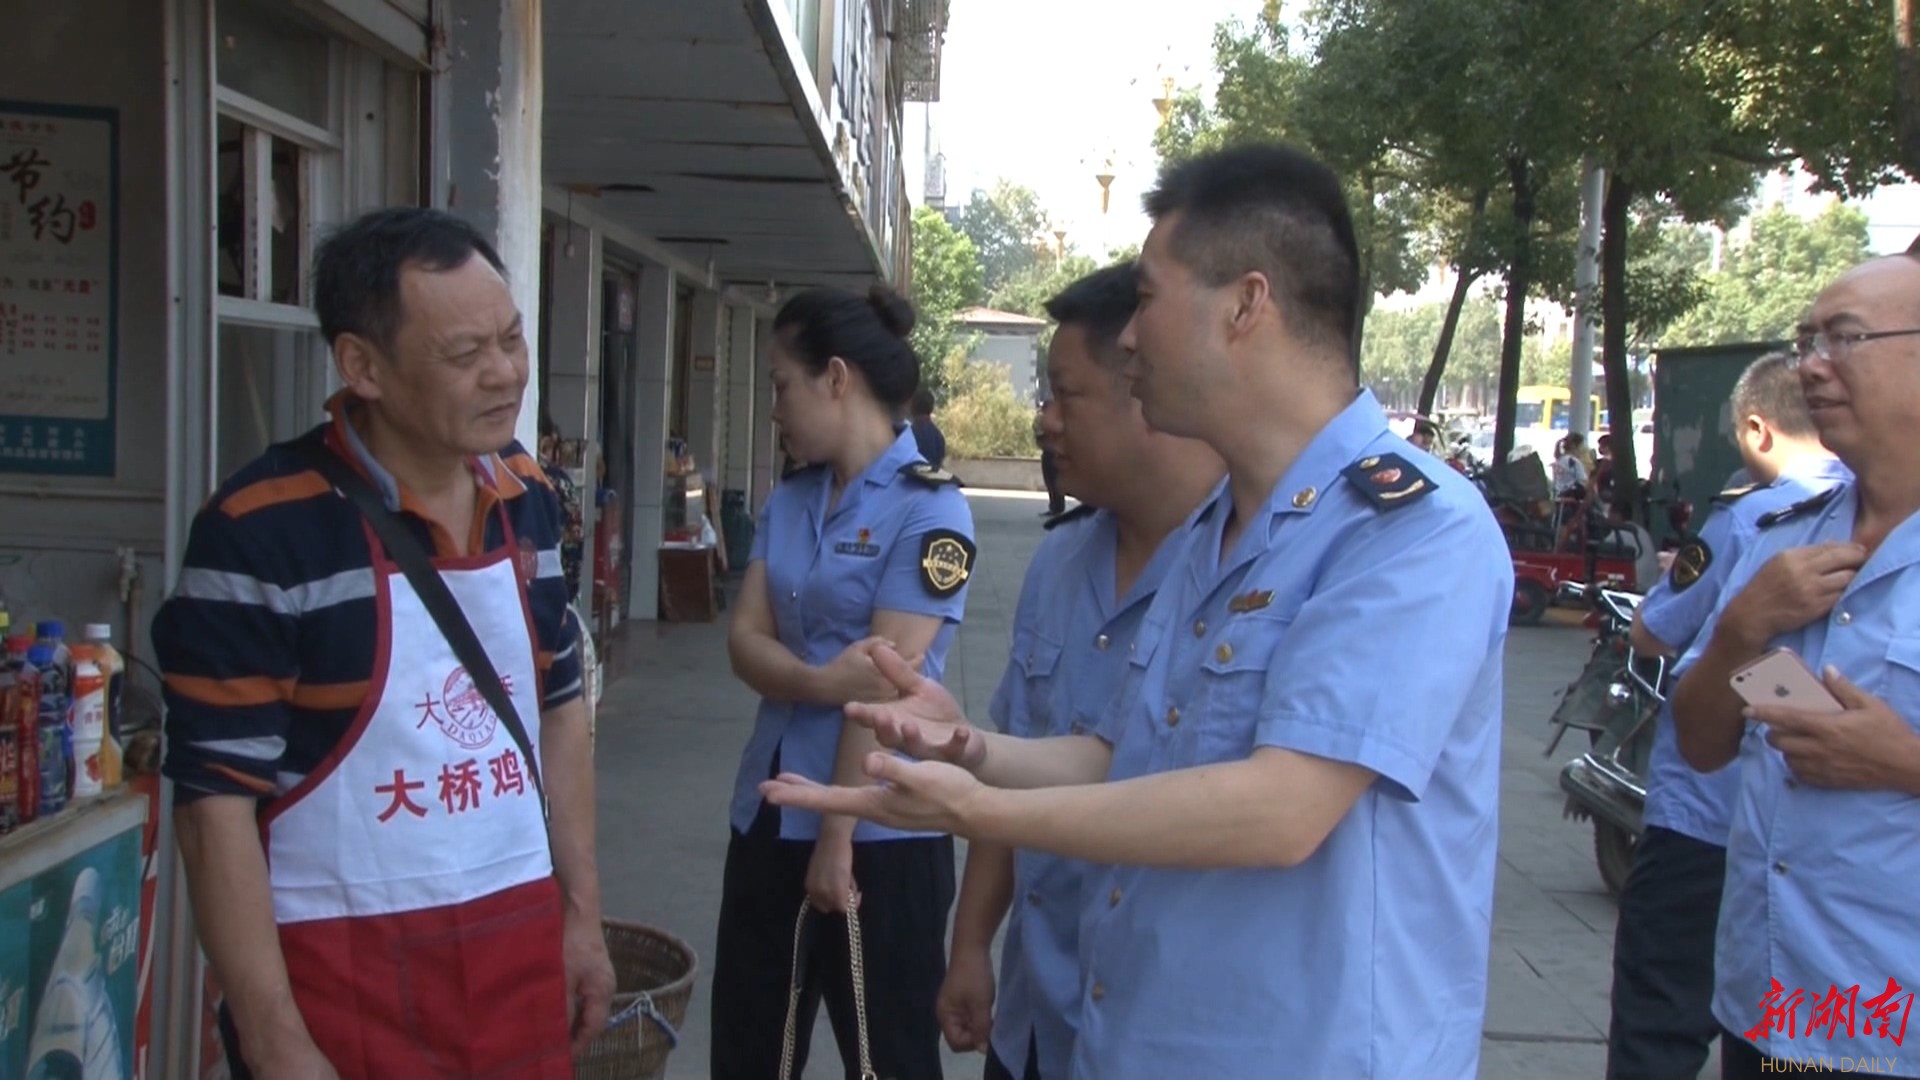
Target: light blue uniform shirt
(1821,882)
(827,573)
(1678,798)
(1071,637)
(1352,632)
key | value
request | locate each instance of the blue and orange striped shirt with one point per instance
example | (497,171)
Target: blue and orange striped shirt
(267,643)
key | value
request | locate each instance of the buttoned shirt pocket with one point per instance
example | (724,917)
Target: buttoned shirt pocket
(1233,685)
(1903,678)
(1038,660)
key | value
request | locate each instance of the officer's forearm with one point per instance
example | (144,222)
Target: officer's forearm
(771,670)
(1707,720)
(1274,809)
(985,893)
(1059,761)
(849,770)
(566,768)
(219,839)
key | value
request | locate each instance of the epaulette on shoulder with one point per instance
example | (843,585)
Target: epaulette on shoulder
(1075,514)
(1735,494)
(928,475)
(1388,481)
(1809,505)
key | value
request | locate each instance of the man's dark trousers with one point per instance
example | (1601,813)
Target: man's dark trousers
(1663,1025)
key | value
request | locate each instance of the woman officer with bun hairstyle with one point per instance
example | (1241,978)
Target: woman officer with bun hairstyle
(866,544)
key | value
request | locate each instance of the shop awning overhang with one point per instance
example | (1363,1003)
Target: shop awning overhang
(701,125)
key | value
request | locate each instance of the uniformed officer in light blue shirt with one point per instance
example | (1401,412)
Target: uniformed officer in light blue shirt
(1080,607)
(1818,953)
(1662,1023)
(868,544)
(1298,823)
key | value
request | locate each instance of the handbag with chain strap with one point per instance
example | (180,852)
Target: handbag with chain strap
(856,963)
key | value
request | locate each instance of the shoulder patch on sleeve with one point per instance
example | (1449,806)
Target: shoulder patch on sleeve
(1690,561)
(1804,506)
(928,475)
(1075,514)
(1388,481)
(946,561)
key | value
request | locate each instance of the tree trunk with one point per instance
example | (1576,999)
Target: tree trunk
(1430,387)
(1614,224)
(1368,254)
(1519,282)
(1906,87)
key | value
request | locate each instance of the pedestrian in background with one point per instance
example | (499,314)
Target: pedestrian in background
(926,433)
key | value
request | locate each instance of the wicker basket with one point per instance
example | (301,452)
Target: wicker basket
(653,972)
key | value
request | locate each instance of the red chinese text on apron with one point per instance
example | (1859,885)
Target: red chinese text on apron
(411,875)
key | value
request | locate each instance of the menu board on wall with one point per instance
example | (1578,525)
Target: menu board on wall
(59,255)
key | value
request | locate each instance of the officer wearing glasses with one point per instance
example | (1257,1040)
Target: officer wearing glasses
(1818,957)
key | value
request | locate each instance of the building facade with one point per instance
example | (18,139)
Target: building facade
(1009,340)
(657,178)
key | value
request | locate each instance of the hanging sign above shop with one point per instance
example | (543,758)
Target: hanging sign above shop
(59,276)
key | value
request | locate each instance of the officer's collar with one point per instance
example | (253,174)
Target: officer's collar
(885,469)
(1815,467)
(1306,481)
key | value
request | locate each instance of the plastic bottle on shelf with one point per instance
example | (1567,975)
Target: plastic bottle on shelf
(53,633)
(22,715)
(113,668)
(56,737)
(89,727)
(10,746)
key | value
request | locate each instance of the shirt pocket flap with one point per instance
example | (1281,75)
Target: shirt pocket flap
(1905,652)
(1041,658)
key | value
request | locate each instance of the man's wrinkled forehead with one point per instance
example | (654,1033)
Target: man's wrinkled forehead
(1870,293)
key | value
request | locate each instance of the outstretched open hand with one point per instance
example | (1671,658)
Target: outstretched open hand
(924,721)
(917,796)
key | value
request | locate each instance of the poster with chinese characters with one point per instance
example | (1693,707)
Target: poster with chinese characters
(59,254)
(69,964)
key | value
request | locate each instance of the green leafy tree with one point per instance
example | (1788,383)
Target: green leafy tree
(1818,78)
(1269,89)
(1008,228)
(947,279)
(981,416)
(1766,282)
(1027,292)
(1400,344)
(1667,262)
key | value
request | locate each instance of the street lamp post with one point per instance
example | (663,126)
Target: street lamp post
(1164,102)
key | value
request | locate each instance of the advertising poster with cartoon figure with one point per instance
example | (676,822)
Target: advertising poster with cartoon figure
(67,999)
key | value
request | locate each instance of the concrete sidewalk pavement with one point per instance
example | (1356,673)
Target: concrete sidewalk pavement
(674,720)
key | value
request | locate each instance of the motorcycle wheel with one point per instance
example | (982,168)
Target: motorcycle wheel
(1613,853)
(1529,604)
(1612,849)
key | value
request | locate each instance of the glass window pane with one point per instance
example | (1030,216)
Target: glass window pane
(271,387)
(285,220)
(289,223)
(230,206)
(266,53)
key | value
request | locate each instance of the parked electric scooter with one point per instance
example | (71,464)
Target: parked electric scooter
(1616,699)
